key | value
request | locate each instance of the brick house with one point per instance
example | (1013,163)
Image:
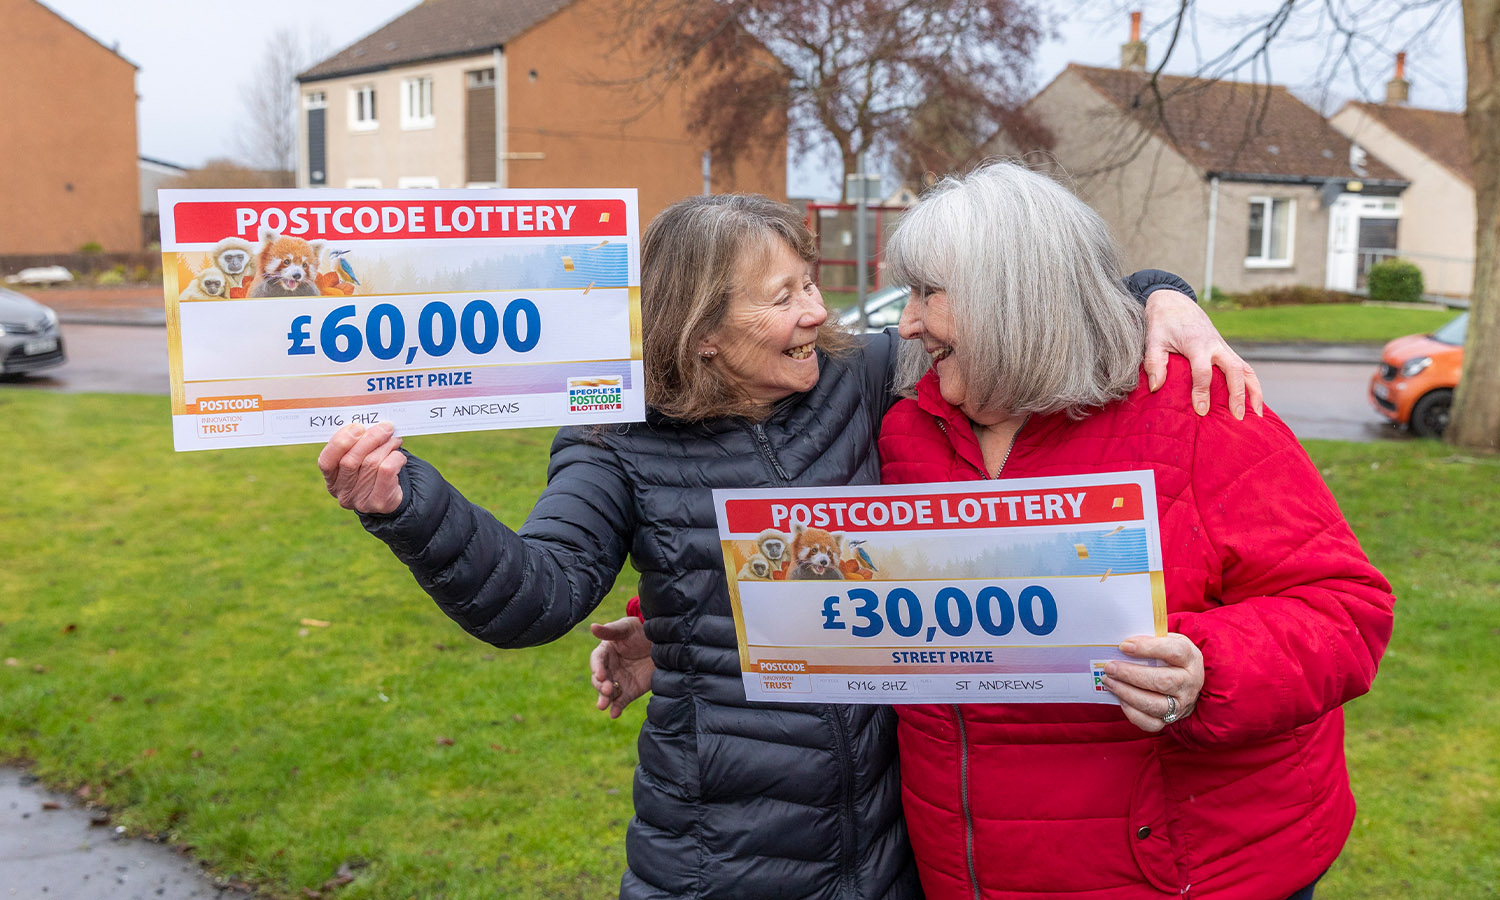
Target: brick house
(1233,185)
(473,93)
(68,174)
(1430,148)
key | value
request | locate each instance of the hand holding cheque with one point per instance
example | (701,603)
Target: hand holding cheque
(359,467)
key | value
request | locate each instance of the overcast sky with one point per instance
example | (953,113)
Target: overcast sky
(194,55)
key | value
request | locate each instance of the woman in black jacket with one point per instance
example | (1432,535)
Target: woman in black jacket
(748,385)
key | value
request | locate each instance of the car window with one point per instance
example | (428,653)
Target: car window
(1454,331)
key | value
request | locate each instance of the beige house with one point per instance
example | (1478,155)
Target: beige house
(528,93)
(1233,185)
(1430,148)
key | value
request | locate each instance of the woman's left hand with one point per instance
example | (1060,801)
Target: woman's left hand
(1143,690)
(1174,323)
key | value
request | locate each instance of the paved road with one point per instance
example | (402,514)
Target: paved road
(1320,392)
(49,848)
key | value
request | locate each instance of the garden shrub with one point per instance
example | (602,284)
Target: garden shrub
(1291,295)
(1395,281)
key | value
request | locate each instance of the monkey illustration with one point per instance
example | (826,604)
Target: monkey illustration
(287,266)
(772,545)
(209,284)
(816,555)
(756,568)
(236,259)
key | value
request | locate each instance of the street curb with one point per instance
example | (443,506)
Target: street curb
(1271,351)
(154,318)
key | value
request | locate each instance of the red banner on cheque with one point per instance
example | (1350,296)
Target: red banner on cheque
(1091,505)
(347,220)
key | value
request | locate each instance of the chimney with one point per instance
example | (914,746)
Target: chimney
(1398,89)
(1133,52)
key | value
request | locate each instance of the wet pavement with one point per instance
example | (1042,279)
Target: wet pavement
(53,848)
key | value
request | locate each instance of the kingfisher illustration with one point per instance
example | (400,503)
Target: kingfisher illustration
(344,268)
(864,557)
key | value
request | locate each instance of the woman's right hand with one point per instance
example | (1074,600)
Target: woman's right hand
(359,467)
(620,667)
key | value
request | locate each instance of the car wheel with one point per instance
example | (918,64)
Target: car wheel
(1430,414)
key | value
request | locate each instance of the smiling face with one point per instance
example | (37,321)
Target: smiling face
(765,345)
(928,319)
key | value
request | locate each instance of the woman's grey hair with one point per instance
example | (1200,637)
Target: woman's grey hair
(1033,286)
(690,255)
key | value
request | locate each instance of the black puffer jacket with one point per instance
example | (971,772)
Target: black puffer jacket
(732,799)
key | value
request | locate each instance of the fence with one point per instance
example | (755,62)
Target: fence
(1442,276)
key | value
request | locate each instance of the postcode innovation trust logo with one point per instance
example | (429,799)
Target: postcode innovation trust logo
(1098,666)
(596,394)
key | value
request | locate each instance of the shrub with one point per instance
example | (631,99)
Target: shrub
(109,278)
(91,247)
(1395,281)
(140,274)
(1291,295)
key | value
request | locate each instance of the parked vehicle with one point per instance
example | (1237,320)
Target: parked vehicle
(884,307)
(1414,384)
(29,336)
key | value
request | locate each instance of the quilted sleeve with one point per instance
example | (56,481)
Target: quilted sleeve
(1304,617)
(507,588)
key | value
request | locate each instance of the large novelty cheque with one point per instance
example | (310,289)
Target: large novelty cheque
(1004,591)
(293,313)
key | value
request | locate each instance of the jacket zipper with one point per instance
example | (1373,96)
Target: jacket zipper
(958,711)
(764,442)
(846,845)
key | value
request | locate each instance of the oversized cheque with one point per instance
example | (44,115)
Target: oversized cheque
(1016,590)
(292,313)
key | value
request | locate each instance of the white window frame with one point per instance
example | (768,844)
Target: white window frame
(417,181)
(315,100)
(362,183)
(1265,260)
(416,103)
(358,120)
(479,78)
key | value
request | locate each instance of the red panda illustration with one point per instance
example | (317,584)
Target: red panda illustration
(288,266)
(816,555)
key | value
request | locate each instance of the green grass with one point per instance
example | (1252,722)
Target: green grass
(1331,323)
(162,594)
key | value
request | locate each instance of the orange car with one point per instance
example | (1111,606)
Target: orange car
(1414,385)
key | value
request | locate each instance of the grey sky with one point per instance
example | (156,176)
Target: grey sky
(194,57)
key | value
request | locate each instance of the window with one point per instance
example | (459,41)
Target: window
(416,102)
(480,78)
(314,100)
(1272,221)
(362,108)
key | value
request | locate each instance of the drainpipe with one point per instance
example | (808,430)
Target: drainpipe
(1213,222)
(502,111)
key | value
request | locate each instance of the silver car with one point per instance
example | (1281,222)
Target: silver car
(883,306)
(29,336)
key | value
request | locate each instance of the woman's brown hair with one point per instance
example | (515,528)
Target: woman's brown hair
(689,257)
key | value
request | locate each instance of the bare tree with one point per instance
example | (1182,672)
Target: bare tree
(1476,404)
(853,72)
(267,134)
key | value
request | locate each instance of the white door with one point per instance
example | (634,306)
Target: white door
(1343,242)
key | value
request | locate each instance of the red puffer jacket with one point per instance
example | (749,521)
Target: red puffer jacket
(1246,798)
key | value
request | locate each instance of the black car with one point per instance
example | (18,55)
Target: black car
(29,336)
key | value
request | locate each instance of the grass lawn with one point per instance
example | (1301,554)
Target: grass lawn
(1330,322)
(155,653)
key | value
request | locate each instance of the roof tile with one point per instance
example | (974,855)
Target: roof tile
(1441,135)
(435,29)
(1235,126)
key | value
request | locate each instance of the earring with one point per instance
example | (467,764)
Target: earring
(709,354)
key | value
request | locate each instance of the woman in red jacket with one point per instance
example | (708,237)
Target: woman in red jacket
(1221,773)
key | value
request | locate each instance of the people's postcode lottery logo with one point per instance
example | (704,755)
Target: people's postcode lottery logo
(597,394)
